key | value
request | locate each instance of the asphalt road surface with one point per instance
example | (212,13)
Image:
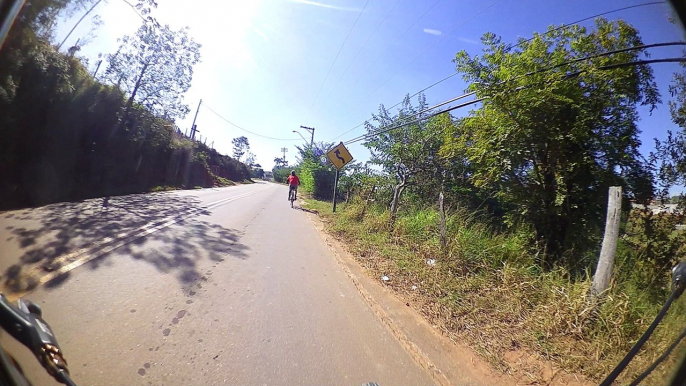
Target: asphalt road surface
(237,288)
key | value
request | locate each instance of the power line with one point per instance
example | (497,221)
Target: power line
(411,96)
(133,7)
(424,52)
(339,52)
(386,130)
(509,47)
(246,130)
(565,76)
(362,47)
(563,26)
(396,41)
(356,139)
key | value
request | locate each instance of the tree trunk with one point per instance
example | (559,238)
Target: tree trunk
(129,103)
(441,210)
(366,203)
(397,192)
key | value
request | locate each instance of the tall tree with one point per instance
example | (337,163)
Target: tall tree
(144,7)
(250,159)
(552,136)
(155,68)
(405,151)
(240,147)
(280,162)
(672,151)
(314,152)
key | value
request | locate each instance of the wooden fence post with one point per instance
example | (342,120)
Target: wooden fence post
(367,201)
(603,272)
(441,210)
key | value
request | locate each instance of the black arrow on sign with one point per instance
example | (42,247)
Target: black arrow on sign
(338,155)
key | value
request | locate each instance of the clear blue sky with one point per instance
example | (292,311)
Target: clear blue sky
(263,62)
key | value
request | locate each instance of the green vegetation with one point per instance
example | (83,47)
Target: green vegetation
(162,189)
(280,174)
(67,136)
(240,147)
(549,145)
(256,172)
(316,176)
(524,179)
(486,288)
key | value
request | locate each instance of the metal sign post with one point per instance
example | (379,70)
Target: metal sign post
(339,157)
(335,188)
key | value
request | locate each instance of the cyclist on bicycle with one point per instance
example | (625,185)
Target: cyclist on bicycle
(293,182)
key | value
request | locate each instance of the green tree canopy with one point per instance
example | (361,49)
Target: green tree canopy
(155,68)
(671,153)
(240,147)
(552,135)
(408,149)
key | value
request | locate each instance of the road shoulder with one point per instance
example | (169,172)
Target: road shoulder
(449,363)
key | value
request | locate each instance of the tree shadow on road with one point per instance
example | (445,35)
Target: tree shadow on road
(44,239)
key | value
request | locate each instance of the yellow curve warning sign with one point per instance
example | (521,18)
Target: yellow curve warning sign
(339,156)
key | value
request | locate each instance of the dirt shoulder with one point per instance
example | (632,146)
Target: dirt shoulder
(442,354)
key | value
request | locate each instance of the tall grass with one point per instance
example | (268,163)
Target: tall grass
(486,288)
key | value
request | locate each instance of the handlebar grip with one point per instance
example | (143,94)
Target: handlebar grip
(25,324)
(15,323)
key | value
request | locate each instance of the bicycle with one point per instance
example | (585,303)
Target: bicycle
(24,323)
(291,196)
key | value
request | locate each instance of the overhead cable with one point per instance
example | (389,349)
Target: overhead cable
(567,25)
(565,76)
(246,130)
(339,52)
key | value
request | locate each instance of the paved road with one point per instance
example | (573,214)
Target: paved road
(242,293)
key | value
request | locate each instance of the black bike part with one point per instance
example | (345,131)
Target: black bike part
(679,378)
(26,327)
(659,360)
(634,350)
(15,323)
(679,278)
(63,377)
(9,10)
(10,372)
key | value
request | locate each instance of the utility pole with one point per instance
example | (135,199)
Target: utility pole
(10,11)
(77,23)
(284,150)
(311,130)
(193,127)
(97,68)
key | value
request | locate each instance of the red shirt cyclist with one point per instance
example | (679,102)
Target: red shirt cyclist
(293,182)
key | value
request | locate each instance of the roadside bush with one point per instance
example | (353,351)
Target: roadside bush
(64,138)
(317,179)
(280,174)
